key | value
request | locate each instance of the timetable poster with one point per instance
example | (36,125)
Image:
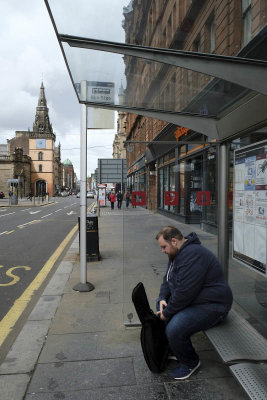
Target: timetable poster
(250,206)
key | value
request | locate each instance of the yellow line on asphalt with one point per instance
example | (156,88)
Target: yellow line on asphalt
(10,319)
(7,233)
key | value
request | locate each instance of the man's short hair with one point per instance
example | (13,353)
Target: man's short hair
(170,232)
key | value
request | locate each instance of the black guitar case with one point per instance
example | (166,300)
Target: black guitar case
(153,339)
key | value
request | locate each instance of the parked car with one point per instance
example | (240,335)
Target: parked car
(2,195)
(90,195)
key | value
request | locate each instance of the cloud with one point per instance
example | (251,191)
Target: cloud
(29,54)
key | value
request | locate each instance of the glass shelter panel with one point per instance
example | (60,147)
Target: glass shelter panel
(140,22)
(138,83)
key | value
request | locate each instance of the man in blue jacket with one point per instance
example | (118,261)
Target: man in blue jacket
(194,295)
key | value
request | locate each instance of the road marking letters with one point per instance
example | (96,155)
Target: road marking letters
(14,277)
(10,319)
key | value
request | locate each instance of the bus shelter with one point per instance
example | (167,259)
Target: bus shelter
(102,56)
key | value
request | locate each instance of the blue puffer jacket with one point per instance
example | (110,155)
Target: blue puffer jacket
(194,277)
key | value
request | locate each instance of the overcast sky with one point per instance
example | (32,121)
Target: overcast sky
(29,55)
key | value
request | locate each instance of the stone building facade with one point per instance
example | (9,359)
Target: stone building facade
(68,175)
(39,145)
(15,166)
(119,151)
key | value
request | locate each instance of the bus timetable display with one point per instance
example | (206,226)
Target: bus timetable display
(250,206)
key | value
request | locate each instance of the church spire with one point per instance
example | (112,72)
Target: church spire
(42,124)
(42,99)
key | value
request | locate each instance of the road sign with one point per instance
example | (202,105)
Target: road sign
(13,180)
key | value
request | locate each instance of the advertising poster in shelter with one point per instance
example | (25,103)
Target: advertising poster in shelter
(102,196)
(250,206)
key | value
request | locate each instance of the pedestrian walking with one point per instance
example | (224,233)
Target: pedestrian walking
(127,199)
(112,199)
(133,200)
(119,199)
(194,295)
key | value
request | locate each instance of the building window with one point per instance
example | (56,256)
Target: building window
(40,156)
(40,168)
(211,27)
(246,18)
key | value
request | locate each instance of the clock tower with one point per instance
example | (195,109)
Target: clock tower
(41,149)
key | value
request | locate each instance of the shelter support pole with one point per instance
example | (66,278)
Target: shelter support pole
(223,231)
(83,286)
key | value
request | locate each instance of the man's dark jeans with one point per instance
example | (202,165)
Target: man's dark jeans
(183,325)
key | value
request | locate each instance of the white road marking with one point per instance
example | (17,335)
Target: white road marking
(46,215)
(7,214)
(2,233)
(66,206)
(26,209)
(34,212)
(58,210)
(71,212)
(2,209)
(31,222)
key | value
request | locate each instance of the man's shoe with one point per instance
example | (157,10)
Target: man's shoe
(171,357)
(184,372)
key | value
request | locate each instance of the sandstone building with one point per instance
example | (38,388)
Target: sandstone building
(38,145)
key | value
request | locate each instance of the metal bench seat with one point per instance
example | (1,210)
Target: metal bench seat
(236,340)
(253,378)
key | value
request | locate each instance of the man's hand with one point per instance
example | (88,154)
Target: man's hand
(162,305)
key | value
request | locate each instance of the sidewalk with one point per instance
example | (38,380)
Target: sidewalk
(79,346)
(25,202)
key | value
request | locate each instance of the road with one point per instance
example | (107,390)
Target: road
(28,237)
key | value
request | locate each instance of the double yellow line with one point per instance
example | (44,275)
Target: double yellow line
(13,315)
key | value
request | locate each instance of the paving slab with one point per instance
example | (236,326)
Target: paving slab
(211,367)
(13,387)
(65,267)
(152,392)
(45,308)
(89,346)
(206,389)
(88,316)
(25,351)
(56,285)
(70,376)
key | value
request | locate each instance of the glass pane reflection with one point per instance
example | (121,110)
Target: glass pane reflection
(139,83)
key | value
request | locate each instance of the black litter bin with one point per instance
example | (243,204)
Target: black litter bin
(92,239)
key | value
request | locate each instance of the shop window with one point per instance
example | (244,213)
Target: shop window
(181,187)
(195,185)
(166,183)
(40,168)
(246,21)
(173,180)
(40,156)
(161,195)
